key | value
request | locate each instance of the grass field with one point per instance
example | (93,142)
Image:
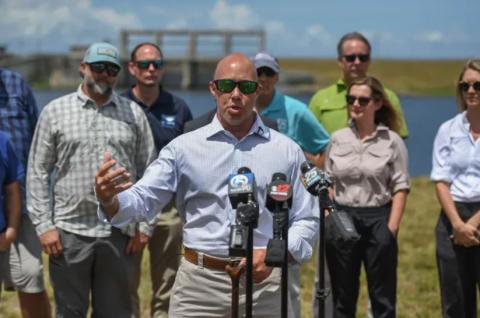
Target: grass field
(418,292)
(405,77)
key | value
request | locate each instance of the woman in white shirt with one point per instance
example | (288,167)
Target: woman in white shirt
(456,173)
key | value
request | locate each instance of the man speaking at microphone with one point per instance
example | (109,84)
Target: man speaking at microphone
(195,167)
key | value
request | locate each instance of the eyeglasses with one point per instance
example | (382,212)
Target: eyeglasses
(464,86)
(362,101)
(352,57)
(267,71)
(100,67)
(144,65)
(228,85)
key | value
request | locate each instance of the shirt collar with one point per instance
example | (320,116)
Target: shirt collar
(258,128)
(132,96)
(341,86)
(85,100)
(463,126)
(274,104)
(380,127)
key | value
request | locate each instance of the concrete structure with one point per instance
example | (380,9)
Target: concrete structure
(195,69)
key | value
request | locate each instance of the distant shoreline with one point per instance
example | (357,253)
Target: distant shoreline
(406,77)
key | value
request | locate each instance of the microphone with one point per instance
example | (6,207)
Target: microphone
(314,179)
(241,187)
(279,193)
(279,200)
(340,223)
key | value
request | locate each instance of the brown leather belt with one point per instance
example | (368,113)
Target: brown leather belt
(208,261)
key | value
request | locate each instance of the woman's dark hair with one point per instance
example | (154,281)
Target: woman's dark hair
(386,114)
(470,65)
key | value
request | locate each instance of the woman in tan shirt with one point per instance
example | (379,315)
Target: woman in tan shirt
(368,164)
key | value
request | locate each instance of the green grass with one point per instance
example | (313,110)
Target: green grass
(418,291)
(405,77)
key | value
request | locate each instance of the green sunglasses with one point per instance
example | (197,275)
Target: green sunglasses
(228,85)
(143,65)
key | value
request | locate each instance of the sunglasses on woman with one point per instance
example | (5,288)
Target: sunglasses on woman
(362,101)
(228,85)
(100,67)
(144,65)
(464,86)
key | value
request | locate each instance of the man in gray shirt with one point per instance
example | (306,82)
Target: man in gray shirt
(87,257)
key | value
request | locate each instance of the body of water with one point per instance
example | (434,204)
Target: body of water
(424,115)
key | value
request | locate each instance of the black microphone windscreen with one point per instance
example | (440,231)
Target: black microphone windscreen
(279,176)
(244,170)
(306,166)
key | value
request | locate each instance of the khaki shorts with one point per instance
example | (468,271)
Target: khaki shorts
(25,265)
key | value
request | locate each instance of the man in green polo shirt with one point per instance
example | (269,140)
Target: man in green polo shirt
(328,104)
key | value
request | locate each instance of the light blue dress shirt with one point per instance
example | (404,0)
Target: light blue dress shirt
(196,166)
(456,159)
(295,120)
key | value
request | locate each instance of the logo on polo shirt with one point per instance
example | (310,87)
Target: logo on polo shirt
(168,121)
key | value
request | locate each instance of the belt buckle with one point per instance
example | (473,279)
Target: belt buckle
(234,262)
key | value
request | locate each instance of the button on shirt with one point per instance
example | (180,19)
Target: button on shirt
(368,173)
(456,159)
(196,166)
(297,122)
(18,117)
(330,108)
(72,136)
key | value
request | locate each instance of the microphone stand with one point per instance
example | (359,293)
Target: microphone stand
(321,292)
(284,283)
(248,217)
(277,245)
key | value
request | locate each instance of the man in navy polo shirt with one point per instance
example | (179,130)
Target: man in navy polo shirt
(295,120)
(167,115)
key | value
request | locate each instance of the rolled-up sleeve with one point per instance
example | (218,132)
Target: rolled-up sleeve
(400,179)
(304,218)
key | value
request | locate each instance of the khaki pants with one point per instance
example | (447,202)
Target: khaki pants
(201,292)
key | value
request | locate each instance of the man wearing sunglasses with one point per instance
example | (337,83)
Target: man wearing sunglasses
(295,120)
(195,167)
(328,104)
(87,257)
(167,115)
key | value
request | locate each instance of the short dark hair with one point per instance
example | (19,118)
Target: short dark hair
(352,36)
(136,48)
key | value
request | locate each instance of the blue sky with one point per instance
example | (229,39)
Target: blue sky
(408,29)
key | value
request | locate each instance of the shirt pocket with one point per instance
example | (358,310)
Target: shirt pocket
(378,159)
(342,158)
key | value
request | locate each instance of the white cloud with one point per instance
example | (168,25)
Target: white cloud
(60,23)
(431,37)
(227,16)
(317,33)
(177,24)
(438,37)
